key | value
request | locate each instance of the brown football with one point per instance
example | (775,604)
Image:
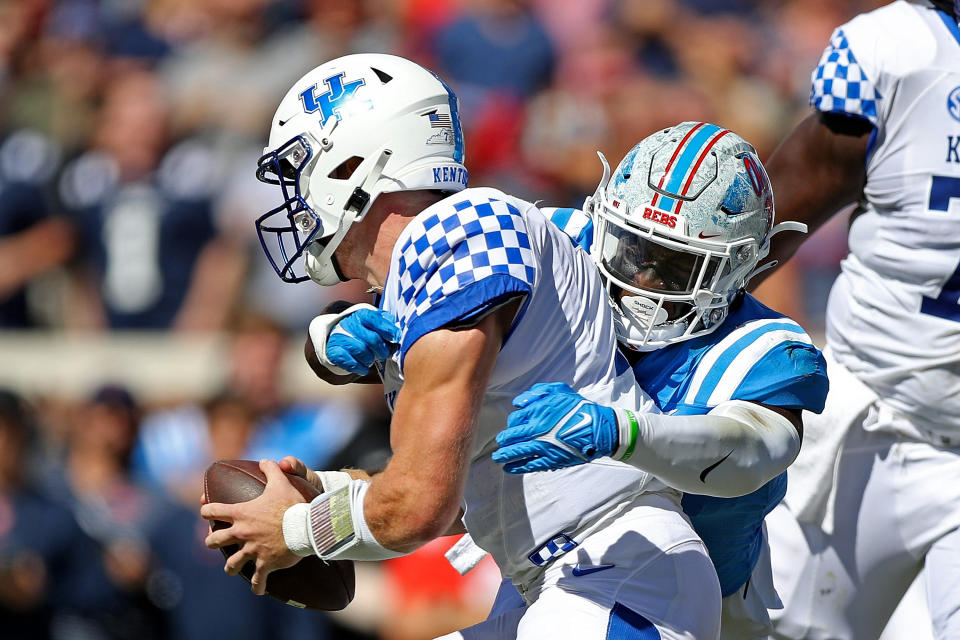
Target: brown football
(311,583)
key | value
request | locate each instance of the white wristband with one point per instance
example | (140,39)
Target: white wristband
(296,519)
(333,480)
(296,529)
(320,328)
(628,426)
(338,529)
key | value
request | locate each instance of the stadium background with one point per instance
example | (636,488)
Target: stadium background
(147,333)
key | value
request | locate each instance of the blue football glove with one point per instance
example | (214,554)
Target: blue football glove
(361,338)
(555,427)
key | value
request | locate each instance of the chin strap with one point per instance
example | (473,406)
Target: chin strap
(788,225)
(320,265)
(318,259)
(605,180)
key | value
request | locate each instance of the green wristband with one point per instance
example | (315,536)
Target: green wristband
(634,429)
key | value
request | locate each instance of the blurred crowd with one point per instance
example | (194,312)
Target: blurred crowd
(129,133)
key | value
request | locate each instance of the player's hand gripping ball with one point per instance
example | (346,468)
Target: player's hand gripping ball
(311,583)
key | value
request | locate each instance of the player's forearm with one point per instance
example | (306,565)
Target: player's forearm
(403,517)
(419,494)
(417,497)
(353,520)
(734,450)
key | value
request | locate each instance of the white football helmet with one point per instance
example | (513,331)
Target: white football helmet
(349,130)
(680,229)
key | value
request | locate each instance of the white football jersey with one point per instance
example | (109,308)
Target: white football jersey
(457,261)
(893,317)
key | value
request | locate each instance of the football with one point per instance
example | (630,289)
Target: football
(311,583)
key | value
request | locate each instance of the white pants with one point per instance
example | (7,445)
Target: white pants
(661,585)
(896,506)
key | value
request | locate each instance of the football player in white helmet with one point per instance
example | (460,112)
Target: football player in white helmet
(680,227)
(367,151)
(375,124)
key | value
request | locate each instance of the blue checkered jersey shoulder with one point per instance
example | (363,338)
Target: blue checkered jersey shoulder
(457,260)
(757,355)
(573,222)
(900,48)
(841,85)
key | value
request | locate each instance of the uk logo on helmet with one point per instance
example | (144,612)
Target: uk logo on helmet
(339,97)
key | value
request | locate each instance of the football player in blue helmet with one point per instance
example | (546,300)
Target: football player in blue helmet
(676,233)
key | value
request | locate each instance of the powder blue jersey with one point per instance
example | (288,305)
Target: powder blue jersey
(757,355)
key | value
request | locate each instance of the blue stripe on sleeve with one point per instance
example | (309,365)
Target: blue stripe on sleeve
(720,366)
(792,375)
(561,216)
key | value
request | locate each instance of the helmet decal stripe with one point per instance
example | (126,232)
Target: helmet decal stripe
(686,160)
(703,154)
(676,152)
(455,116)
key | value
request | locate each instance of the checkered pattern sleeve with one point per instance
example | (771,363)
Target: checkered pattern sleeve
(840,84)
(457,264)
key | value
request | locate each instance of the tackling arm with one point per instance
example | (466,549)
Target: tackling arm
(819,168)
(731,451)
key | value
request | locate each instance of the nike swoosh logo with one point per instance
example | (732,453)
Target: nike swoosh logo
(585,571)
(703,474)
(711,235)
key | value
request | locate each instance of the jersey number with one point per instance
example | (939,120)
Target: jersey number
(947,304)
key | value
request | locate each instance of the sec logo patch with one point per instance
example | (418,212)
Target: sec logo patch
(953,104)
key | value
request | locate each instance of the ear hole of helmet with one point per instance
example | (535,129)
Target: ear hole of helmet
(345,169)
